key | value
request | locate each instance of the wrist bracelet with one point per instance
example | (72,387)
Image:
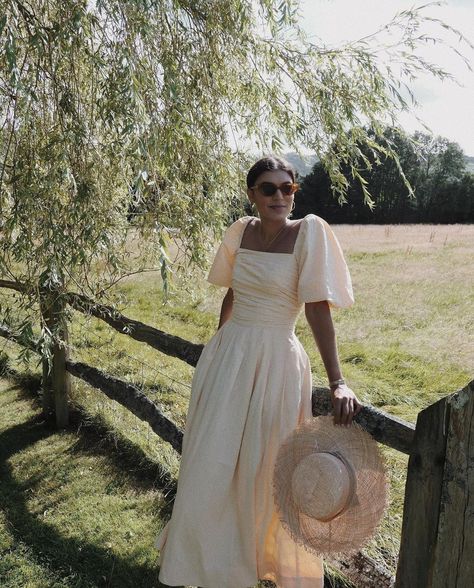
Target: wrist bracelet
(336,383)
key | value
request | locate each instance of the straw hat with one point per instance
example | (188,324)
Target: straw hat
(330,486)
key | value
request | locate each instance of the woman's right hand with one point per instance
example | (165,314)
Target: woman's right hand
(345,405)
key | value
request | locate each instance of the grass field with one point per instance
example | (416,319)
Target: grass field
(80,508)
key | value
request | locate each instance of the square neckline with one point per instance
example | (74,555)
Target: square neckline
(240,248)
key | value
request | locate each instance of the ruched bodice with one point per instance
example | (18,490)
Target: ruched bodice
(265,289)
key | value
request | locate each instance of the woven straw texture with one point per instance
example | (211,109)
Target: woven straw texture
(348,531)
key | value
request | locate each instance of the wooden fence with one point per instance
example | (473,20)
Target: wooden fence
(438,522)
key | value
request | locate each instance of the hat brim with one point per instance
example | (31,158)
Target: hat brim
(349,530)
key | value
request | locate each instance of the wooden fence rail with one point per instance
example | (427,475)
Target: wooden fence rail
(169,344)
(385,428)
(131,398)
(126,394)
(164,342)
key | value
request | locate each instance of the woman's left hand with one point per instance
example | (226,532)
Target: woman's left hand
(345,405)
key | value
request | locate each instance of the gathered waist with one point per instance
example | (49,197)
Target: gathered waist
(264,313)
(263,322)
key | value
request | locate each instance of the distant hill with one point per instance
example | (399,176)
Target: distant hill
(302,166)
(469,163)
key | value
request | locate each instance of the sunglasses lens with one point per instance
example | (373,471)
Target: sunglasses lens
(287,189)
(267,188)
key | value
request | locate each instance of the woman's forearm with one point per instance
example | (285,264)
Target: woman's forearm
(345,403)
(319,318)
(226,308)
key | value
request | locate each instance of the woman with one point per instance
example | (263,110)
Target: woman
(251,387)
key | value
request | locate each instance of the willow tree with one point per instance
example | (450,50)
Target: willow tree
(125,118)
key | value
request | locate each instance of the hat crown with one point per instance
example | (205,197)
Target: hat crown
(321,485)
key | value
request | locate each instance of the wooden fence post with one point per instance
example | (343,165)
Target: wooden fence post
(46,380)
(56,380)
(437,545)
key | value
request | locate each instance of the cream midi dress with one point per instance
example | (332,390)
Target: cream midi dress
(251,387)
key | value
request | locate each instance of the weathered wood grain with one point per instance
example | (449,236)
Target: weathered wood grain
(422,497)
(437,545)
(454,553)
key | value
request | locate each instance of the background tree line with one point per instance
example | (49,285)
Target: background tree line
(437,188)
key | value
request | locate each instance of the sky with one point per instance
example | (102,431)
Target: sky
(447,108)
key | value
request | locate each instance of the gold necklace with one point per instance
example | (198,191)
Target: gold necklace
(273,239)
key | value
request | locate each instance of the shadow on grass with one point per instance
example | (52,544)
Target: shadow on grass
(127,458)
(95,437)
(85,565)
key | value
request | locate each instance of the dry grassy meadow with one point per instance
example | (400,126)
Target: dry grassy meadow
(421,278)
(407,341)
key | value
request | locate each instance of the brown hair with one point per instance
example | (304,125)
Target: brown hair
(268,163)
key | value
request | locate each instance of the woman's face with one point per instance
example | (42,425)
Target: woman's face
(277,206)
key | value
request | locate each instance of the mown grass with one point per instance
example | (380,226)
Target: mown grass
(405,343)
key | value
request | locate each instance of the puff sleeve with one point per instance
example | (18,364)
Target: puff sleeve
(222,267)
(323,272)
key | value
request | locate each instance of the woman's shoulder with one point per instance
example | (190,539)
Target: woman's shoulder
(314,219)
(240,223)
(234,232)
(245,219)
(314,233)
(312,223)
